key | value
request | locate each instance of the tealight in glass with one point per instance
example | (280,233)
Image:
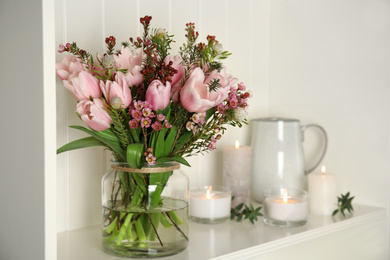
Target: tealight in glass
(285,207)
(210,204)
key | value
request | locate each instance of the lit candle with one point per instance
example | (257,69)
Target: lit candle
(237,172)
(323,193)
(210,204)
(285,209)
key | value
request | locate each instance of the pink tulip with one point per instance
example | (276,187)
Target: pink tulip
(93,114)
(225,80)
(117,88)
(69,65)
(158,95)
(83,86)
(126,60)
(195,95)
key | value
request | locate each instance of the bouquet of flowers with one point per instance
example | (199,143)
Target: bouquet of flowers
(146,106)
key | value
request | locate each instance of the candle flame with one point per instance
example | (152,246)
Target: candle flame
(285,197)
(237,144)
(208,195)
(323,170)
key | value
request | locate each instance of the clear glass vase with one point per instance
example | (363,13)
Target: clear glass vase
(145,211)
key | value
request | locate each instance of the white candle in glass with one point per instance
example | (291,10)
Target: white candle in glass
(286,208)
(210,204)
(236,172)
(322,193)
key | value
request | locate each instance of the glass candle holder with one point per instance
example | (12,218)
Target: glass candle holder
(210,204)
(285,207)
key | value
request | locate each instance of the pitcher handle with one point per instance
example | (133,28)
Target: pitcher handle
(325,147)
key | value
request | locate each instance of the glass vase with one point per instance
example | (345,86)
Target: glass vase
(145,211)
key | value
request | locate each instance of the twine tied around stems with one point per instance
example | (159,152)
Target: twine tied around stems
(146,169)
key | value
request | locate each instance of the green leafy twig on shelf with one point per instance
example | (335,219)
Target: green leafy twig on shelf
(344,203)
(249,213)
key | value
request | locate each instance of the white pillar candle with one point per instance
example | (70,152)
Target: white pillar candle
(322,193)
(286,208)
(210,204)
(237,172)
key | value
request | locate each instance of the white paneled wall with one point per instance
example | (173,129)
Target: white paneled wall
(235,24)
(320,61)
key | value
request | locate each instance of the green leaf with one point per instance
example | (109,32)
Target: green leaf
(239,207)
(80,143)
(175,158)
(158,152)
(169,141)
(134,155)
(108,138)
(209,113)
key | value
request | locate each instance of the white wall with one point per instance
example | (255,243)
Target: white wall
(320,61)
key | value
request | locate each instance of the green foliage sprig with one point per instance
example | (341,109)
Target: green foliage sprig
(344,203)
(249,213)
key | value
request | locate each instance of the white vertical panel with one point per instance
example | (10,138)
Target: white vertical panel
(183,12)
(121,20)
(49,128)
(81,186)
(61,121)
(159,10)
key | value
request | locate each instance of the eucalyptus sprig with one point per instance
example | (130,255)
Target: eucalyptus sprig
(249,213)
(344,203)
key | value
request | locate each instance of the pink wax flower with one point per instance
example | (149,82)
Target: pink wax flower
(195,95)
(161,117)
(83,86)
(138,104)
(145,122)
(93,114)
(233,103)
(241,86)
(117,88)
(61,48)
(150,159)
(190,125)
(167,125)
(156,126)
(158,95)
(133,123)
(135,113)
(147,112)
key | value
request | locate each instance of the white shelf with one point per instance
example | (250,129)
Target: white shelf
(243,240)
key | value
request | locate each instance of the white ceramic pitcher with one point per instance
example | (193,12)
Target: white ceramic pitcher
(278,160)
